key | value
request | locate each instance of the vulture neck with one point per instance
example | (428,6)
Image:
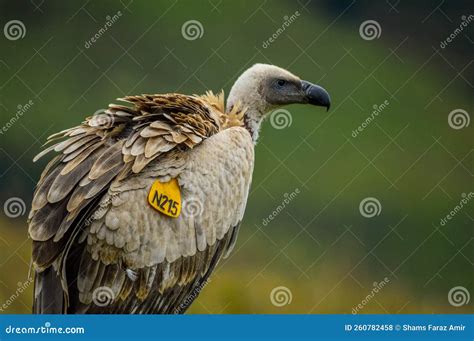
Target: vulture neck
(252,122)
(245,95)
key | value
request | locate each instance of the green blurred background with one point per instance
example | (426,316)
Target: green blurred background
(319,247)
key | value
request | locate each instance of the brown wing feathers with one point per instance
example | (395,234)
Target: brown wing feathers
(96,151)
(159,288)
(108,146)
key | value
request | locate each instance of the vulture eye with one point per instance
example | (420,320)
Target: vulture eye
(281,82)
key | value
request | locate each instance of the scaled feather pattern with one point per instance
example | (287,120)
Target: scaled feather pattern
(92,227)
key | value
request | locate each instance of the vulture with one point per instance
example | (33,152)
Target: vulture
(142,200)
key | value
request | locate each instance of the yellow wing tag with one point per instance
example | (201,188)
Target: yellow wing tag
(166,197)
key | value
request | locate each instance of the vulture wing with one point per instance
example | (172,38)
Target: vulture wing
(99,246)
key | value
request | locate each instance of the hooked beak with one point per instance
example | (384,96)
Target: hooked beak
(316,95)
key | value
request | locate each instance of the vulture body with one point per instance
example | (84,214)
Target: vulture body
(103,242)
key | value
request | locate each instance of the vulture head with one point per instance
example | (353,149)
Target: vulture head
(263,88)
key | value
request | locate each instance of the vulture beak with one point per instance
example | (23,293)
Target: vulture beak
(316,95)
